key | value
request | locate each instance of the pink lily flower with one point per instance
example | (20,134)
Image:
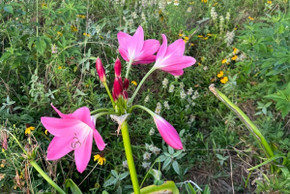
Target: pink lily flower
(72,132)
(167,132)
(171,59)
(134,48)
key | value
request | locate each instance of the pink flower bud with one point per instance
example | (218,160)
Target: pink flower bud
(126,84)
(100,70)
(117,87)
(118,67)
(125,95)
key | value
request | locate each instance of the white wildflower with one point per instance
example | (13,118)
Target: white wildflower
(125,164)
(134,15)
(230,37)
(165,83)
(176,2)
(169,2)
(182,94)
(222,22)
(146,156)
(143,16)
(158,108)
(146,99)
(171,88)
(181,85)
(193,104)
(213,14)
(187,107)
(205,68)
(155,150)
(189,9)
(53,49)
(146,165)
(189,91)
(152,132)
(228,16)
(166,105)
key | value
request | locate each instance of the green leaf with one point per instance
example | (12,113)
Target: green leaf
(175,166)
(166,163)
(73,187)
(190,189)
(9,9)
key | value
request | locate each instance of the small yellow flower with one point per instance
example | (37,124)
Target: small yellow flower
(73,28)
(204,1)
(101,160)
(224,80)
(45,132)
(43,5)
(205,38)
(2,165)
(224,61)
(208,34)
(191,44)
(215,3)
(251,18)
(28,130)
(235,51)
(186,38)
(101,37)
(220,74)
(59,33)
(199,64)
(200,36)
(81,16)
(235,28)
(59,67)
(3,150)
(269,2)
(180,35)
(234,58)
(134,83)
(87,35)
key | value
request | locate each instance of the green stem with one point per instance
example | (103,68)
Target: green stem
(142,107)
(129,156)
(249,124)
(128,68)
(101,110)
(109,93)
(140,84)
(168,185)
(46,177)
(104,113)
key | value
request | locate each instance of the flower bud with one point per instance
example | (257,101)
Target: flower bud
(118,67)
(125,95)
(126,84)
(100,70)
(117,87)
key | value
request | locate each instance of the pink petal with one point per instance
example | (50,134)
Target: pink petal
(168,133)
(176,48)
(123,39)
(99,140)
(147,54)
(176,72)
(124,54)
(58,148)
(177,63)
(138,40)
(83,153)
(162,49)
(62,127)
(145,60)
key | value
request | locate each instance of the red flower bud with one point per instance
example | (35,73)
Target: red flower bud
(100,70)
(126,84)
(118,67)
(117,87)
(114,96)
(125,95)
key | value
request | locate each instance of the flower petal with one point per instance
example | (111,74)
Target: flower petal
(138,40)
(176,48)
(58,148)
(162,49)
(174,63)
(168,133)
(99,140)
(83,153)
(123,39)
(124,54)
(176,72)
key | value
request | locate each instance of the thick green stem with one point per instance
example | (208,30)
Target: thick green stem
(250,125)
(128,68)
(46,177)
(109,93)
(129,156)
(140,84)
(101,110)
(168,185)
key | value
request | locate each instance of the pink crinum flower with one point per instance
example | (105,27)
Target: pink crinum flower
(72,132)
(171,58)
(135,49)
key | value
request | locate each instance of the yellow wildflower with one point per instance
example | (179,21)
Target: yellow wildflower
(224,61)
(234,58)
(204,1)
(81,16)
(28,130)
(235,28)
(224,80)
(235,51)
(2,165)
(45,132)
(59,33)
(2,176)
(186,38)
(180,35)
(101,37)
(220,74)
(251,18)
(59,67)
(73,28)
(191,44)
(43,5)
(101,160)
(208,34)
(87,35)
(269,2)
(215,3)
(134,83)
(3,150)
(200,36)
(205,38)
(199,64)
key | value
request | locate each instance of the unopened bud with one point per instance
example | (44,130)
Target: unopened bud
(126,84)
(118,67)
(117,87)
(100,70)
(125,95)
